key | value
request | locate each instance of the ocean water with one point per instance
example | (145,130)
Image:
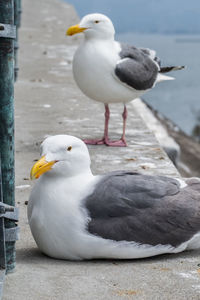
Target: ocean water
(179,100)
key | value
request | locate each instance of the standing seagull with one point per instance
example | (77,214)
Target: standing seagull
(110,72)
(76,215)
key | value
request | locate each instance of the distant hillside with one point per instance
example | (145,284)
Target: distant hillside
(148,16)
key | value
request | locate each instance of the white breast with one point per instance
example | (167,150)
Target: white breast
(56,217)
(94,72)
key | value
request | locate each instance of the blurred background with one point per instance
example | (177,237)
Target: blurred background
(172,28)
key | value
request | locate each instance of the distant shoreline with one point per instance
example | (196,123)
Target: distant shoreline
(187,40)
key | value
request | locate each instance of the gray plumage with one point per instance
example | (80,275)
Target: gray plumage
(128,206)
(136,69)
(139,67)
(152,54)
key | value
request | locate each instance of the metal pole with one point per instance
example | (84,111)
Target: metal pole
(7,115)
(2,234)
(17,19)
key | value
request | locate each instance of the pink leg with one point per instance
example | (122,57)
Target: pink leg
(124,115)
(104,140)
(107,117)
(122,141)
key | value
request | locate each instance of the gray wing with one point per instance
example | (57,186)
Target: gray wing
(138,67)
(150,210)
(152,54)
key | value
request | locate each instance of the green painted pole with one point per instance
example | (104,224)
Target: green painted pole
(7,120)
(17,19)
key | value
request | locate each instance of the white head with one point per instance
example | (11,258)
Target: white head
(62,155)
(94,26)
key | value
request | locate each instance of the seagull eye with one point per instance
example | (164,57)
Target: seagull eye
(69,148)
(96,21)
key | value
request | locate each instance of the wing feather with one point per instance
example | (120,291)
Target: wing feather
(151,210)
(136,67)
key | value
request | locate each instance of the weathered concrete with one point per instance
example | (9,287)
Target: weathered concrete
(48,102)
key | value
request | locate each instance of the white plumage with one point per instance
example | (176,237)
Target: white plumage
(66,202)
(110,72)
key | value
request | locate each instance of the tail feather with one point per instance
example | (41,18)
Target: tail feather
(169,69)
(162,77)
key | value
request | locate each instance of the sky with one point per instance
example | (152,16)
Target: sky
(147,16)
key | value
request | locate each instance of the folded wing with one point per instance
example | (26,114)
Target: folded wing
(150,210)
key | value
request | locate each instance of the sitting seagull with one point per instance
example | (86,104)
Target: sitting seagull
(110,72)
(122,215)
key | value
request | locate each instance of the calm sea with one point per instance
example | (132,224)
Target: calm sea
(179,100)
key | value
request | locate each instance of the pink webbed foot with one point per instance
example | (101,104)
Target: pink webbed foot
(119,143)
(94,141)
(107,142)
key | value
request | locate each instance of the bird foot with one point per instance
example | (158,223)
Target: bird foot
(119,143)
(107,142)
(94,142)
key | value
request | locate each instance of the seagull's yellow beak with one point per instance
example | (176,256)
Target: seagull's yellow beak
(41,167)
(75,29)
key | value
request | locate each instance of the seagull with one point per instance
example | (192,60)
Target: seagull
(75,215)
(111,72)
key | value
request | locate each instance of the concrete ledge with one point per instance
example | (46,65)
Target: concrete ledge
(48,102)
